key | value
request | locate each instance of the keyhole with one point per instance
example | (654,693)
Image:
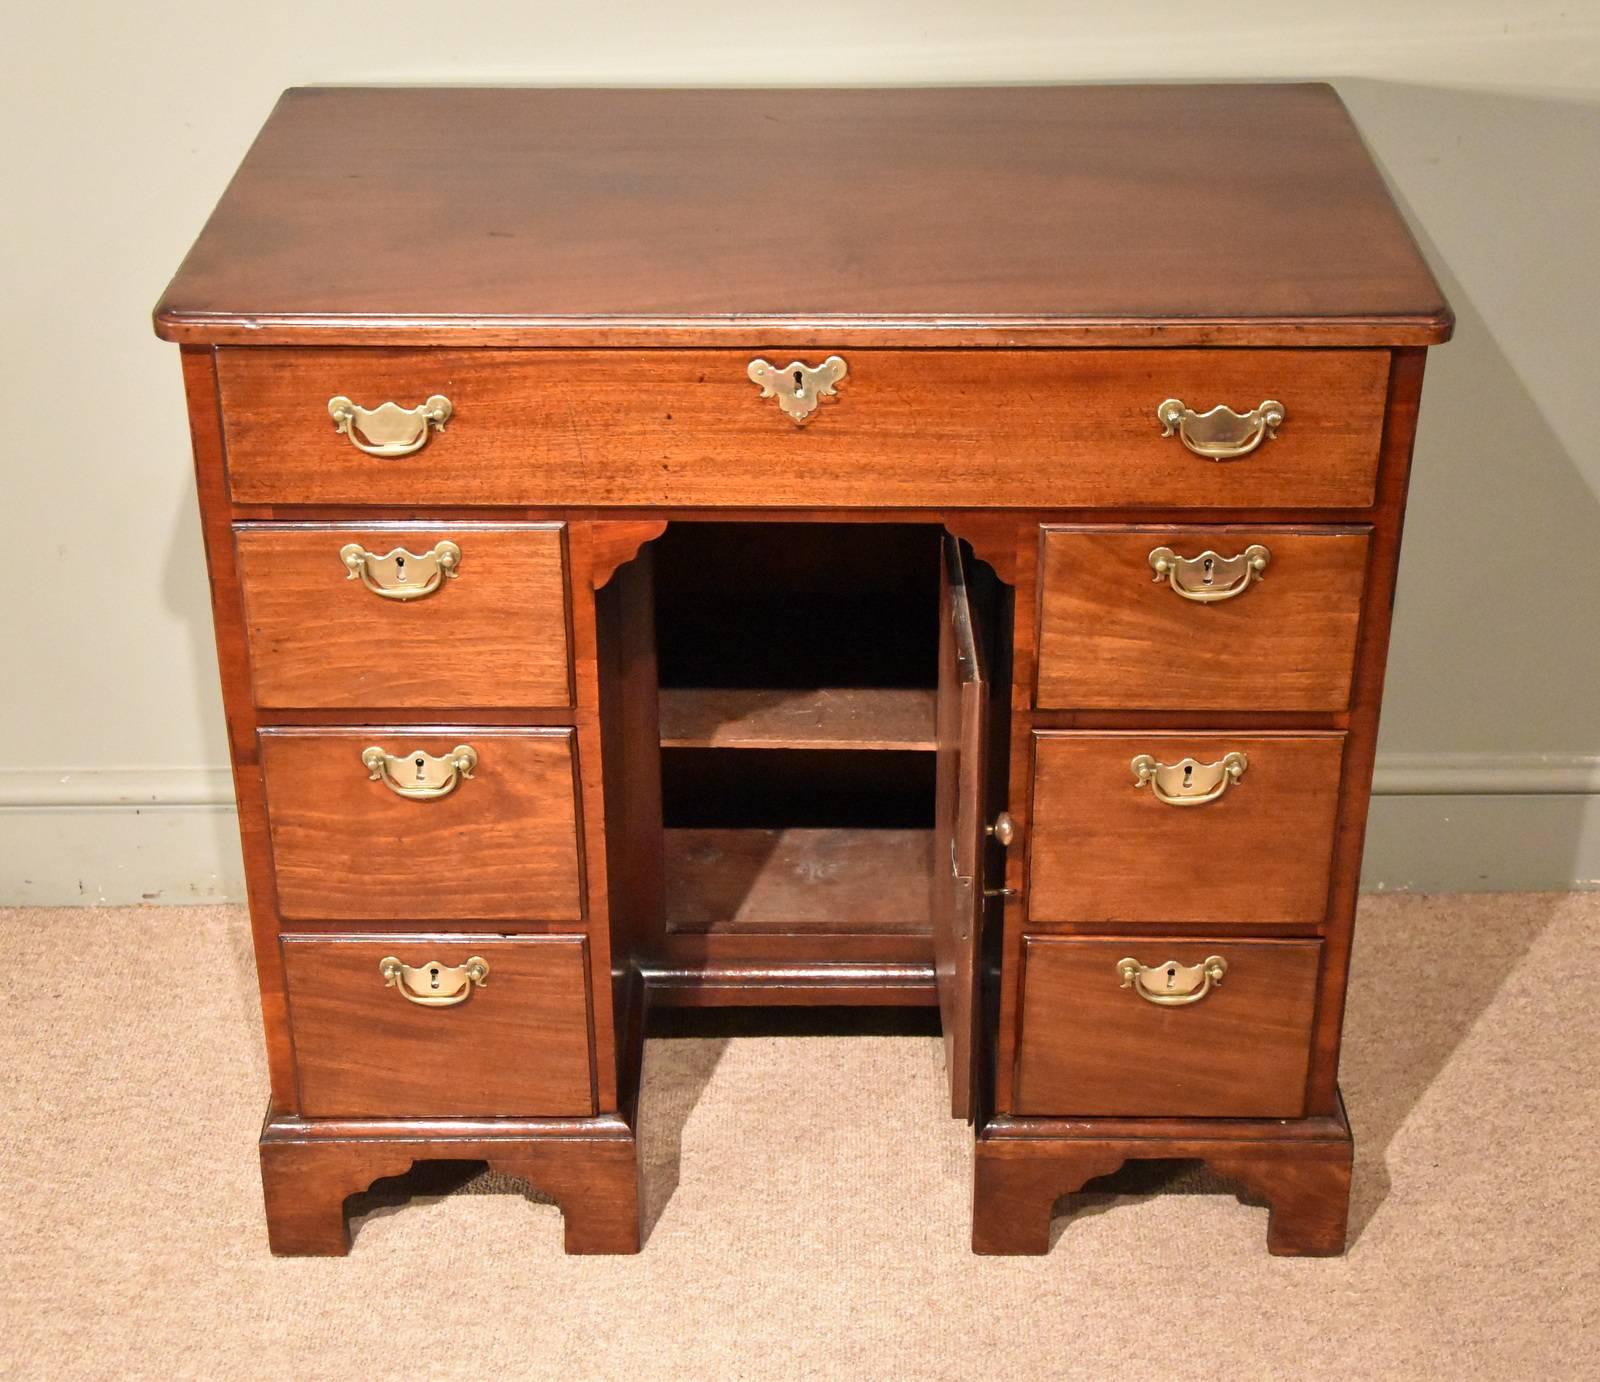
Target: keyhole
(799,385)
(1172,975)
(1206,566)
(399,568)
(420,765)
(1188,777)
(433,976)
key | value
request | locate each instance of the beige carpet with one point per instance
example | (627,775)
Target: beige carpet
(808,1199)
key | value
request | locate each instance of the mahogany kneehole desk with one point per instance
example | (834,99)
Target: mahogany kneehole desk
(953,568)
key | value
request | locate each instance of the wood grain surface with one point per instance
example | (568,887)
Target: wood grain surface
(1213,214)
(662,428)
(1106,851)
(1112,637)
(495,634)
(817,881)
(1093,1048)
(518,1045)
(830,717)
(502,845)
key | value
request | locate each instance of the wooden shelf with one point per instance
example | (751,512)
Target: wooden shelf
(813,881)
(829,718)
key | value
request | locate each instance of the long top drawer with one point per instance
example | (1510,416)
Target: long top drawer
(1039,428)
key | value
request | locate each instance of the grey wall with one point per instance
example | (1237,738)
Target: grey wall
(121,124)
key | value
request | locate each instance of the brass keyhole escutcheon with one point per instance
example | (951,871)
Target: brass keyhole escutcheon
(798,387)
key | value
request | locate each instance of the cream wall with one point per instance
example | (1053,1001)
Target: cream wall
(121,124)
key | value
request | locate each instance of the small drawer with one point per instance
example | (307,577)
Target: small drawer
(1192,618)
(387,823)
(439,1026)
(1229,1037)
(989,428)
(406,615)
(1183,828)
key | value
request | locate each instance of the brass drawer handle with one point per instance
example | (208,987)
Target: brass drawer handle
(1170,984)
(402,575)
(419,776)
(1210,576)
(1188,782)
(434,985)
(797,387)
(389,429)
(1221,434)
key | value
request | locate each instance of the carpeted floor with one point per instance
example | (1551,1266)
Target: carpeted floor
(807,1197)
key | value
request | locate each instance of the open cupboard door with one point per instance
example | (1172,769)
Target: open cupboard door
(959,828)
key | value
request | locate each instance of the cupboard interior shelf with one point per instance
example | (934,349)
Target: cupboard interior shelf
(844,881)
(855,717)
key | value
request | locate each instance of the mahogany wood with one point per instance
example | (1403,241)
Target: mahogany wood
(503,845)
(1113,637)
(551,282)
(1242,1051)
(1361,746)
(830,717)
(493,635)
(795,880)
(1010,428)
(233,664)
(1303,1172)
(957,880)
(1035,214)
(364,1050)
(591,1171)
(1105,850)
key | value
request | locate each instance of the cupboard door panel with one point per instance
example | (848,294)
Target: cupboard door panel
(962,731)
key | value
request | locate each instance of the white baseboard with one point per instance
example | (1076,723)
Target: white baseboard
(1439,823)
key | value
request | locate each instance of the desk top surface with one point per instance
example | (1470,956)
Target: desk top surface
(1082,215)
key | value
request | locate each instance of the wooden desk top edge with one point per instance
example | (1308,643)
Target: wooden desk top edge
(595,223)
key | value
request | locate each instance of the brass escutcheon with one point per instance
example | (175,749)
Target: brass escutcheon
(1210,577)
(798,387)
(1170,984)
(1188,782)
(419,776)
(434,985)
(402,575)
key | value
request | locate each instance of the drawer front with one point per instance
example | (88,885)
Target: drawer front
(1107,850)
(405,616)
(501,844)
(908,428)
(1093,1045)
(1240,618)
(516,1043)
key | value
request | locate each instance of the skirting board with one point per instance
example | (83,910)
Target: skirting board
(1462,823)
